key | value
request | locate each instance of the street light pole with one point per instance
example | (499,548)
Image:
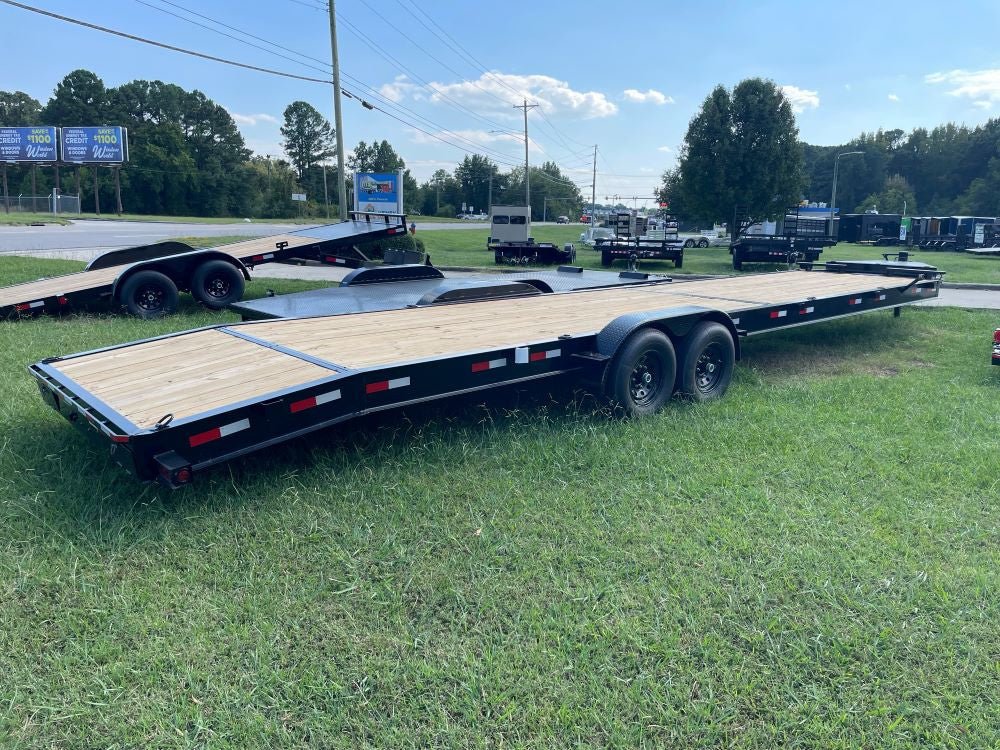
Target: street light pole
(833,194)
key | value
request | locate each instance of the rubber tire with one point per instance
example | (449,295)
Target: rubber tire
(703,242)
(606,259)
(688,243)
(700,338)
(679,262)
(617,382)
(149,281)
(206,273)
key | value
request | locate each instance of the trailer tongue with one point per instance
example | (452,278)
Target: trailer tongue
(173,405)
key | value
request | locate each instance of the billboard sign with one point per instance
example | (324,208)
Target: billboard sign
(379,192)
(100,145)
(35,144)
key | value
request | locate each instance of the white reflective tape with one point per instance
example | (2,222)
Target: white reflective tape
(39,303)
(494,363)
(553,353)
(398,382)
(736,321)
(807,310)
(325,398)
(229,429)
(521,355)
(881,297)
(268,256)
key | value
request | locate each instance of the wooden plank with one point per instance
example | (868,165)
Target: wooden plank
(31,291)
(186,375)
(263,245)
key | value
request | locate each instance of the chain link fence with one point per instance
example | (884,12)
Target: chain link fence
(43,204)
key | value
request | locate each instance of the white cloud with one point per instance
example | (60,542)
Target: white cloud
(496,94)
(800,99)
(847,87)
(650,95)
(665,149)
(252,120)
(893,98)
(982,86)
(398,89)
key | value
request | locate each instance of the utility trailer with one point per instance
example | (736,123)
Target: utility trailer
(174,405)
(799,239)
(146,280)
(510,240)
(635,241)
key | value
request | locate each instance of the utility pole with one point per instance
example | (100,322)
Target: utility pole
(338,119)
(437,182)
(326,193)
(489,203)
(593,195)
(833,194)
(527,172)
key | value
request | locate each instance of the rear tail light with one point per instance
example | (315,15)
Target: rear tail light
(996,336)
(173,470)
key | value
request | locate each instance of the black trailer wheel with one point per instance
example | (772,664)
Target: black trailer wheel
(217,284)
(642,375)
(149,294)
(679,261)
(702,242)
(708,357)
(606,258)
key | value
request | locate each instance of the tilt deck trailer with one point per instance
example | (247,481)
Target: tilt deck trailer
(174,405)
(145,280)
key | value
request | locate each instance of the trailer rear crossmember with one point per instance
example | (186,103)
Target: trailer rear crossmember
(173,405)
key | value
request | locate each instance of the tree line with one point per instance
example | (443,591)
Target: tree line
(742,157)
(187,157)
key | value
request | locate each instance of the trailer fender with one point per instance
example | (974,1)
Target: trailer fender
(676,322)
(178,268)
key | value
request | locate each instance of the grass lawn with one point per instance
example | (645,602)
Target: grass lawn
(468,248)
(812,561)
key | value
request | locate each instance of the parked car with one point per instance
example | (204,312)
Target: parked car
(562,220)
(584,219)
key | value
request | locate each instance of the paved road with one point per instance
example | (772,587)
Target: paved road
(109,235)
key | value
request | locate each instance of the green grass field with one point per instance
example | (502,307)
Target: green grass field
(812,561)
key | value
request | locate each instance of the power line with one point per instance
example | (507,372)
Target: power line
(162,45)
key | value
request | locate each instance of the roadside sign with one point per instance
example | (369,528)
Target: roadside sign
(904,228)
(379,192)
(34,144)
(979,234)
(298,196)
(95,145)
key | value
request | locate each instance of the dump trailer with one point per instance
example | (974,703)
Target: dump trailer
(146,280)
(174,405)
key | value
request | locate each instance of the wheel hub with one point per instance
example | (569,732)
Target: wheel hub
(708,369)
(645,379)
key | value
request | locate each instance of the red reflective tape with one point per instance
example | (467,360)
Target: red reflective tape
(855,301)
(535,356)
(806,310)
(879,297)
(204,437)
(119,438)
(306,403)
(382,385)
(257,257)
(63,301)
(22,307)
(778,313)
(490,364)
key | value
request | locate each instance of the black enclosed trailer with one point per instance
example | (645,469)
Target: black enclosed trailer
(145,280)
(173,405)
(874,228)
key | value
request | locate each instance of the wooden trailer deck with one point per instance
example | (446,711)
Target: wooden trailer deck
(56,286)
(195,372)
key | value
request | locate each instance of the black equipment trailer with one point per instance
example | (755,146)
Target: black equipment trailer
(174,405)
(145,280)
(633,249)
(801,239)
(530,253)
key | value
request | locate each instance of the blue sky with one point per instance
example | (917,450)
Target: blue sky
(627,77)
